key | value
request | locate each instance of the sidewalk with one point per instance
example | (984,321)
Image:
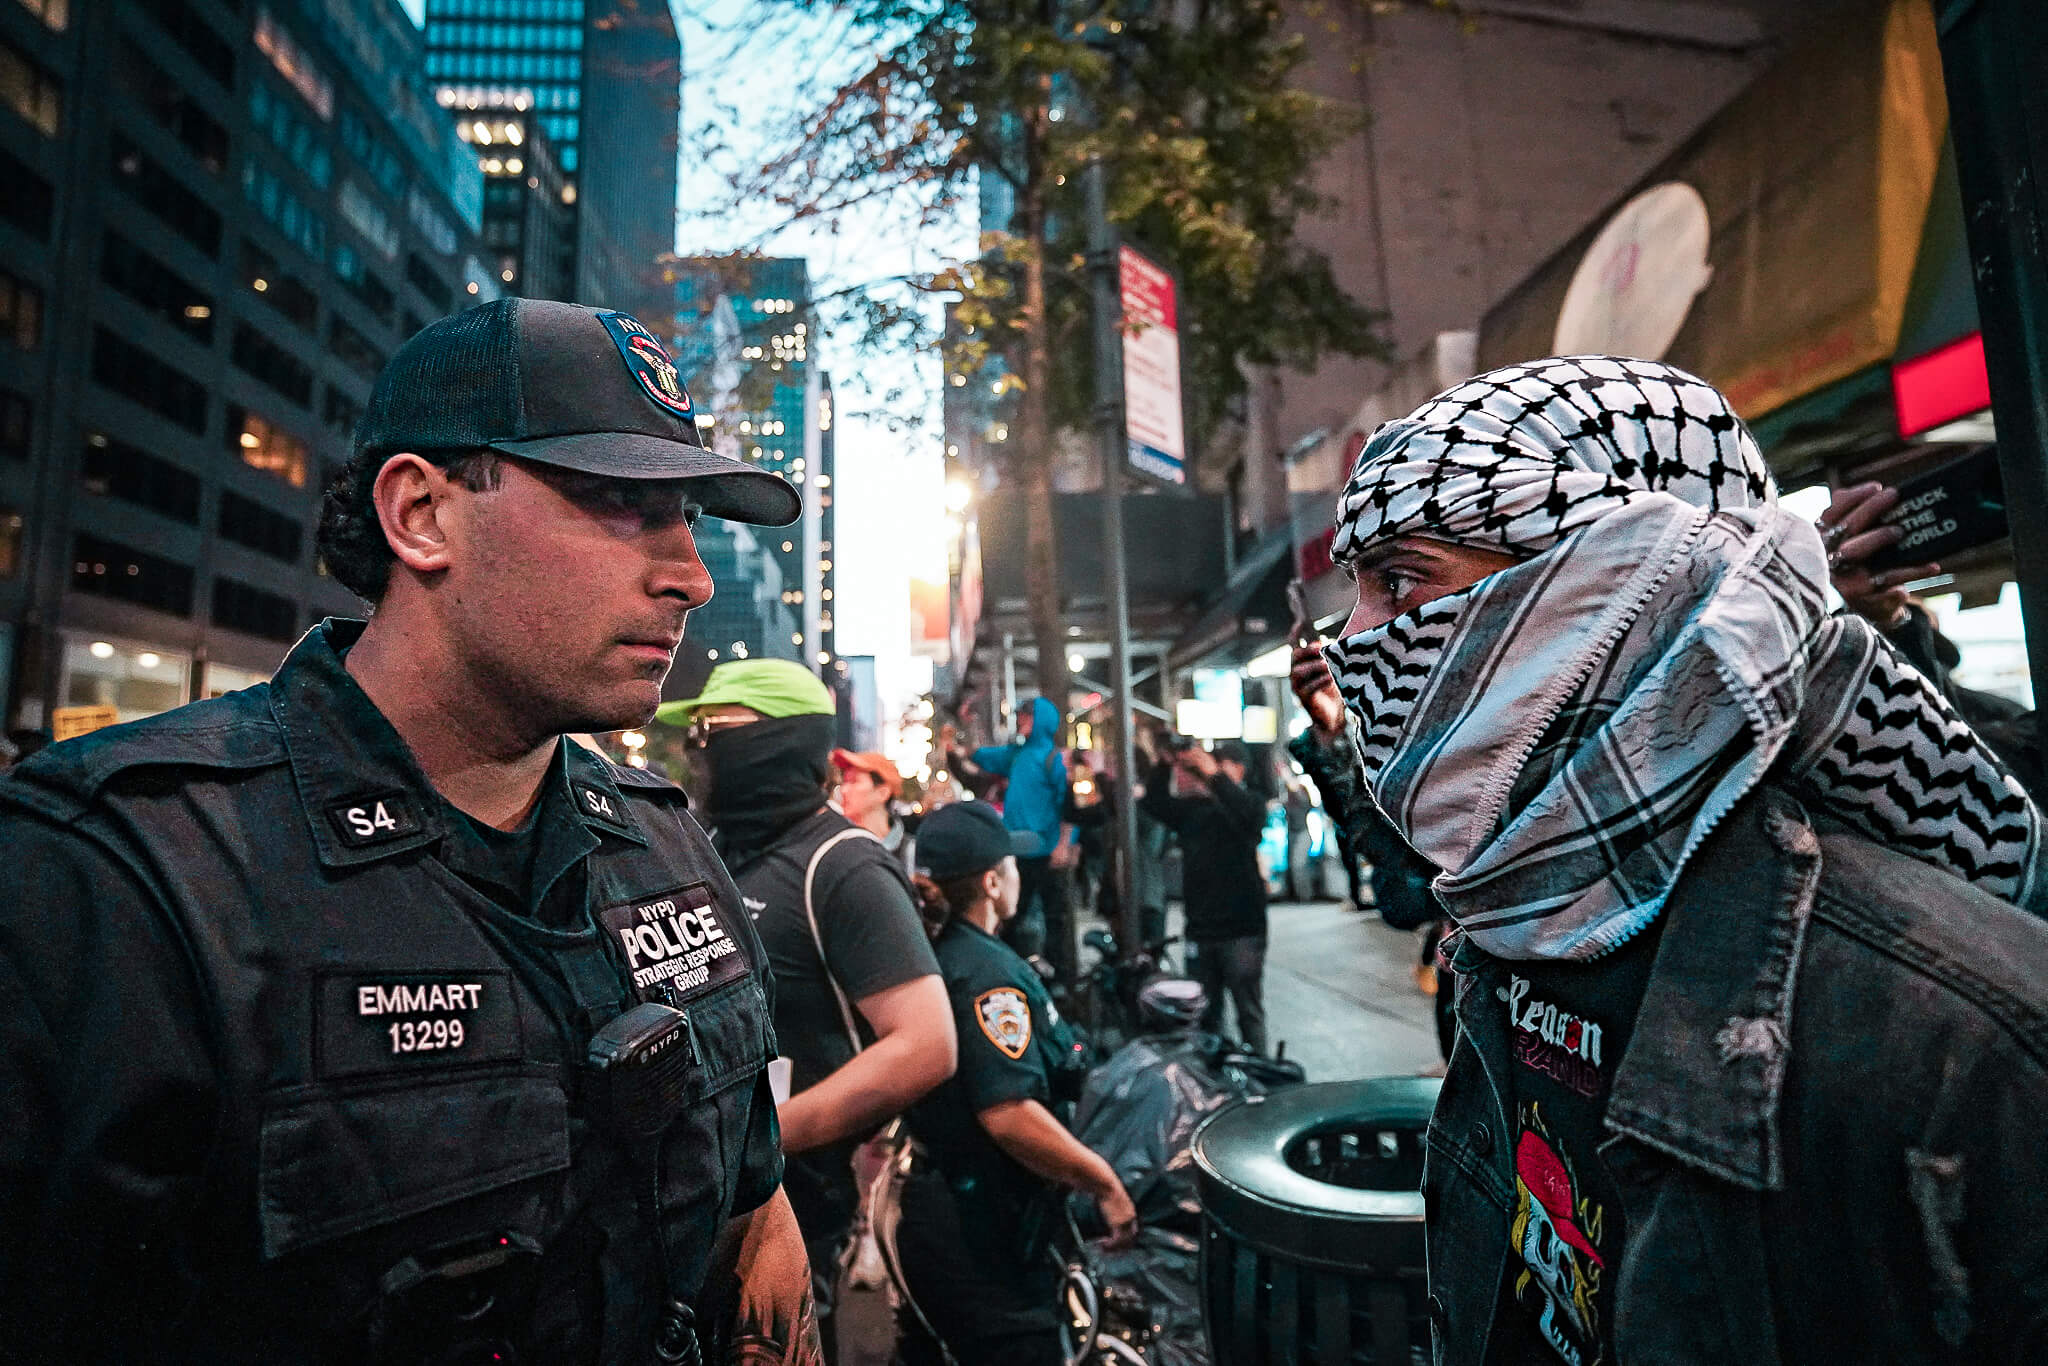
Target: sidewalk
(1340,993)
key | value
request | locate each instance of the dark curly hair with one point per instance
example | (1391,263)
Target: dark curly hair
(939,904)
(351,539)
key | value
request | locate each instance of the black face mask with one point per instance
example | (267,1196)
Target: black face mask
(765,778)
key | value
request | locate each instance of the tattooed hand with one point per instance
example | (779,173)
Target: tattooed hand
(791,1341)
(775,1322)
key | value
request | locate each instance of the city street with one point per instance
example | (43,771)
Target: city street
(558,663)
(1339,993)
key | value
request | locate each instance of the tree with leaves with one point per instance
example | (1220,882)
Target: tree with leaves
(1210,151)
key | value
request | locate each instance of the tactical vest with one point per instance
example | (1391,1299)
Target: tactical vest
(407,1163)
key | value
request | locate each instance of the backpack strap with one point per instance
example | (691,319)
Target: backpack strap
(818,939)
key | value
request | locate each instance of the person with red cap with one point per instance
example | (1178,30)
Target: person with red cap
(869,785)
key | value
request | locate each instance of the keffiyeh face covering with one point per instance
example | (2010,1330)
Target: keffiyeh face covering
(1561,736)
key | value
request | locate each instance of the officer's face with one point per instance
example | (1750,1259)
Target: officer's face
(570,592)
(1005,885)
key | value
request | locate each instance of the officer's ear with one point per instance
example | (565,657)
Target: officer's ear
(411,495)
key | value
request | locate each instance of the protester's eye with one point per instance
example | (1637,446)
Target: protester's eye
(691,514)
(1397,584)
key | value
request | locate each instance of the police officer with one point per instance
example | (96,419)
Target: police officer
(357,1017)
(975,1241)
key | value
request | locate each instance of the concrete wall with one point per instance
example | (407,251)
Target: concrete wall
(1494,135)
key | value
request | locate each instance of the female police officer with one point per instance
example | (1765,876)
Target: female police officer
(993,1162)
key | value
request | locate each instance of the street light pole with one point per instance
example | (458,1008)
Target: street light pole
(1109,439)
(1991,56)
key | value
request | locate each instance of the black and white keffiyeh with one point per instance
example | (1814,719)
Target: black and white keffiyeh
(1562,735)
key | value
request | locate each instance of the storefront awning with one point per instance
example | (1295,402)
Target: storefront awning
(1816,184)
(1248,616)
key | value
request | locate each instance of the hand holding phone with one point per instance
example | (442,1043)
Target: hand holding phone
(1303,631)
(1308,675)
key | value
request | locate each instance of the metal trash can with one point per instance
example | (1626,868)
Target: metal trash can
(1312,1226)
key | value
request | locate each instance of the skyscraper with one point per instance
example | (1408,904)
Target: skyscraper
(528,225)
(218,222)
(744,331)
(604,80)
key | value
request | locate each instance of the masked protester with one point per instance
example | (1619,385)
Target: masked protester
(860,1012)
(1751,1021)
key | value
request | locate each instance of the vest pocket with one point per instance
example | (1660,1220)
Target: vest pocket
(335,1164)
(733,1036)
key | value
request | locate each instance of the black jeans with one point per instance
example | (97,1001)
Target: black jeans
(1043,924)
(1236,966)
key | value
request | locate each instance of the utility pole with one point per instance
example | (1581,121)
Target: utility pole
(1992,54)
(1109,438)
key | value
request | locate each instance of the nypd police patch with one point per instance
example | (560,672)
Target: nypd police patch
(1005,1017)
(647,360)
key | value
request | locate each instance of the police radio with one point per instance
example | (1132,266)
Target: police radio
(639,1069)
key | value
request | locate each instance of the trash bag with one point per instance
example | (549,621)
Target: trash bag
(1140,1110)
(1162,1274)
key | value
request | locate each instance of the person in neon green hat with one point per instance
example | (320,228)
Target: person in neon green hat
(861,1013)
(773,688)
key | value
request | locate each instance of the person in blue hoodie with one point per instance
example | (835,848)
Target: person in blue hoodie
(1037,776)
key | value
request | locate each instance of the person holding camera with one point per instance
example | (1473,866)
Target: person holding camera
(1201,798)
(357,1017)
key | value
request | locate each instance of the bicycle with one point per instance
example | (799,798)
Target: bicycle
(1099,1325)
(1105,1001)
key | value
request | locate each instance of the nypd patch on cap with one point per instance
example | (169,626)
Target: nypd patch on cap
(581,388)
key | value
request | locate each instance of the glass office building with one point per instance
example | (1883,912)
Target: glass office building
(603,79)
(744,335)
(245,206)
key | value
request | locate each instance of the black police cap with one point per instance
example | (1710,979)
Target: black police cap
(582,388)
(962,839)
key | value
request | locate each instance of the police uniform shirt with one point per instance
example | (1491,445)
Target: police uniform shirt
(977,1226)
(281,1052)
(1012,1044)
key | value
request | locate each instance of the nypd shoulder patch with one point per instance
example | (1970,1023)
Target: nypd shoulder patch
(1005,1017)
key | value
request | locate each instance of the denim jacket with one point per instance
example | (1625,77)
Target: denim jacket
(1827,1130)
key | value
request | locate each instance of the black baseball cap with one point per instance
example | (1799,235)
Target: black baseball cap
(582,388)
(961,839)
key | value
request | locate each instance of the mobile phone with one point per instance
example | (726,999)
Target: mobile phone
(1956,506)
(1304,631)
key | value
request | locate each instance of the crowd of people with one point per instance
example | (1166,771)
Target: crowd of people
(360,1017)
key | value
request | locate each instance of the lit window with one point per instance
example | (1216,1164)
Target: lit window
(264,445)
